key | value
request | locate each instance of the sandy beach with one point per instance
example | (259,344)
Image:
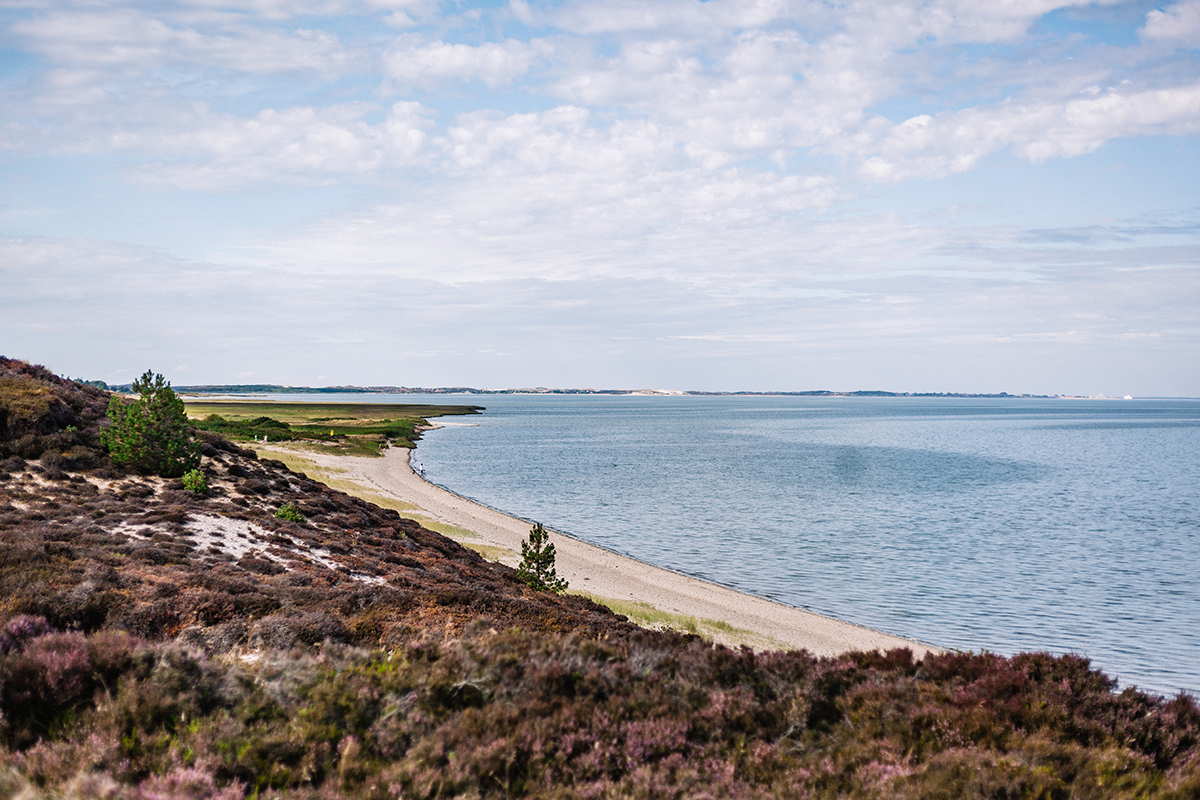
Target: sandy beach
(658,596)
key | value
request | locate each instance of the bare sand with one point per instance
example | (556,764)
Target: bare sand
(648,594)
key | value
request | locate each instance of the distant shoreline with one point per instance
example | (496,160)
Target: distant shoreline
(252,389)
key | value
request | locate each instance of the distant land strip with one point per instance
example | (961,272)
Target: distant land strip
(261,388)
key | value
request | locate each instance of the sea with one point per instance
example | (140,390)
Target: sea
(1001,525)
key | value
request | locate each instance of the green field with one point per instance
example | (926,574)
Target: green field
(353,428)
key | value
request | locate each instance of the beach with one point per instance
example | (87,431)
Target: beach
(648,594)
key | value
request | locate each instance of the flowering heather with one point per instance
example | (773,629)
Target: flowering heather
(515,714)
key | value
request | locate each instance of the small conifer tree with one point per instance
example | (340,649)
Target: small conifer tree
(537,563)
(152,434)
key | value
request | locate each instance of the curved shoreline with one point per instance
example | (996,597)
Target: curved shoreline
(726,615)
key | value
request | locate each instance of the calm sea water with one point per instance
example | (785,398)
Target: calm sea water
(1006,525)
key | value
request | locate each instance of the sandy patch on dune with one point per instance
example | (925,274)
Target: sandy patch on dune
(238,538)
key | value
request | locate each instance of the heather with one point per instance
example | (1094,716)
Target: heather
(271,637)
(42,414)
(515,714)
(262,554)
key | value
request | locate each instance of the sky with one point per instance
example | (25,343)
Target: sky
(764,195)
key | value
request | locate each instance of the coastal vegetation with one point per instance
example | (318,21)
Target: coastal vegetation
(349,428)
(194,481)
(151,434)
(648,616)
(290,512)
(158,642)
(537,569)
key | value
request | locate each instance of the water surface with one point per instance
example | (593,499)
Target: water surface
(1007,525)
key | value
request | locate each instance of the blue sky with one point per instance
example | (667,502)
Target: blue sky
(775,195)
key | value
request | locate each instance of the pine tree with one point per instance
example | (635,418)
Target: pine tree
(152,434)
(537,563)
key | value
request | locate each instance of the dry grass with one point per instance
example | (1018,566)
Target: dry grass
(24,397)
(491,553)
(288,453)
(453,531)
(647,616)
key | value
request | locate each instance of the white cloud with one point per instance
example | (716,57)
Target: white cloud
(67,88)
(124,38)
(992,21)
(895,23)
(733,231)
(703,85)
(302,144)
(681,172)
(529,142)
(414,63)
(1086,124)
(1178,23)
(954,142)
(277,10)
(744,324)
(623,16)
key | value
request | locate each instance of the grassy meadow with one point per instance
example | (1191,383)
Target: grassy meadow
(349,428)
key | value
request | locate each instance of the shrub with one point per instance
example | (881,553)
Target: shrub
(152,434)
(195,482)
(537,563)
(19,630)
(47,678)
(289,511)
(267,427)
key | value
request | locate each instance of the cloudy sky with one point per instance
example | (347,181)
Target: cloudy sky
(941,195)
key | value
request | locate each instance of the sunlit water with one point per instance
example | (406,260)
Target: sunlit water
(1006,525)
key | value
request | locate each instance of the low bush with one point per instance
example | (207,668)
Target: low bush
(289,512)
(195,482)
(257,428)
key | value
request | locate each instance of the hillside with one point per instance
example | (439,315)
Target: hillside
(88,546)
(155,643)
